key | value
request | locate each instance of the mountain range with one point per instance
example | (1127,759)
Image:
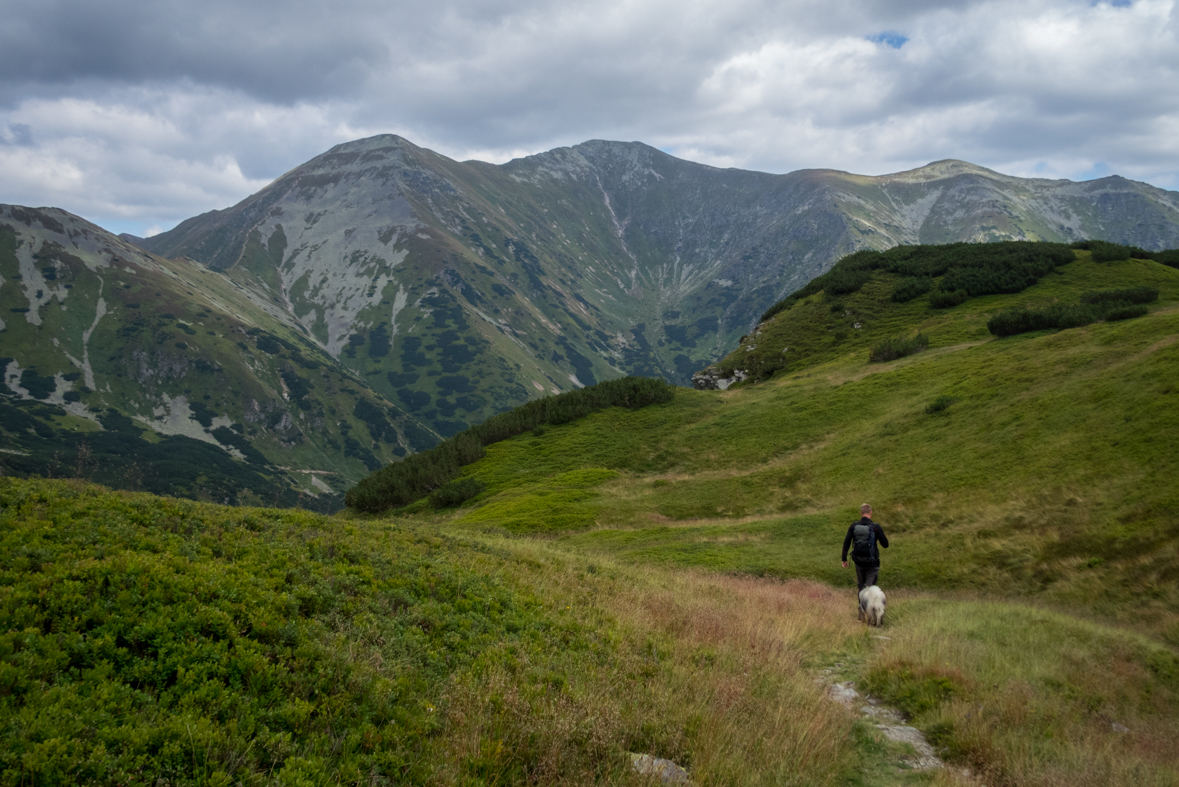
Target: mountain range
(382,296)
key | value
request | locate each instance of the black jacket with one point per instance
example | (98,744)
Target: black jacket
(881,540)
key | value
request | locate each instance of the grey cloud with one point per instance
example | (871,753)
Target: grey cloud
(166,109)
(273,52)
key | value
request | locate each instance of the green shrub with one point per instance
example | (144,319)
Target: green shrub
(974,268)
(939,404)
(456,492)
(153,640)
(777,308)
(1059,315)
(1125,312)
(843,280)
(942,299)
(910,287)
(1167,257)
(1104,251)
(418,475)
(1097,307)
(897,347)
(1128,295)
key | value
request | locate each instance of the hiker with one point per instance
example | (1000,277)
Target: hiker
(865,535)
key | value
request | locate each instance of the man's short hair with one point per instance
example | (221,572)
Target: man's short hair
(866,509)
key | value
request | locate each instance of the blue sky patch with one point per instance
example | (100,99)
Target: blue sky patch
(1098,170)
(889,38)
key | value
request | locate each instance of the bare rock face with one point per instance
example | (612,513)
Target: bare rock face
(710,379)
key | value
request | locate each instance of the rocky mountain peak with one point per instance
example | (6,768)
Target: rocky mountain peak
(941,170)
(458,288)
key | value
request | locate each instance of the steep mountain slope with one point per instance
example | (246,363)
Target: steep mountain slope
(457,289)
(148,373)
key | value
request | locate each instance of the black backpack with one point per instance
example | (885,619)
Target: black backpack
(863,541)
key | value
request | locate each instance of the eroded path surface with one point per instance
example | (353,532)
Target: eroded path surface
(888,721)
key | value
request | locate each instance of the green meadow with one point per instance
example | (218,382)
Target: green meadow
(1038,466)
(661,580)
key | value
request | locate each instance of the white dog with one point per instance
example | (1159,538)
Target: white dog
(872,604)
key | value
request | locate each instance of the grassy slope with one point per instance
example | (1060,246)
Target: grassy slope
(1048,475)
(231,645)
(1049,480)
(148,638)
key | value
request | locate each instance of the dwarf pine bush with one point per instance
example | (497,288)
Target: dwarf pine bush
(910,287)
(420,474)
(968,270)
(898,347)
(456,492)
(1104,251)
(943,299)
(1056,316)
(1128,295)
(1124,311)
(1095,308)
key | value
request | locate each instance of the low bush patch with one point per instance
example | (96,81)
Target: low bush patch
(968,270)
(943,299)
(419,475)
(456,492)
(1128,295)
(1070,315)
(939,404)
(909,288)
(1125,312)
(898,347)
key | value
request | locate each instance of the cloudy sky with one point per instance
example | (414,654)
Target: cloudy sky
(137,115)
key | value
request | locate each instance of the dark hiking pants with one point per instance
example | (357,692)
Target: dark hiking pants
(866,576)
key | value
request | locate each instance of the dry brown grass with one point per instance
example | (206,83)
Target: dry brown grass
(708,671)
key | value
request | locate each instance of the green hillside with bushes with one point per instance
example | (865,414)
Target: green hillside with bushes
(627,571)
(1038,464)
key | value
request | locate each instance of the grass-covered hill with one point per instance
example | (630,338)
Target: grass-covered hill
(1040,464)
(148,640)
(1026,482)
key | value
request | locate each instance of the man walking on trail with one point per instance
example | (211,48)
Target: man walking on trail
(865,534)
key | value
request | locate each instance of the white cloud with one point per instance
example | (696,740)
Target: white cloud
(145,117)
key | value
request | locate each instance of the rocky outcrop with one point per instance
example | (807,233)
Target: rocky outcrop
(711,379)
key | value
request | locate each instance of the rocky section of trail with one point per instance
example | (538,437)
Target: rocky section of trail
(889,721)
